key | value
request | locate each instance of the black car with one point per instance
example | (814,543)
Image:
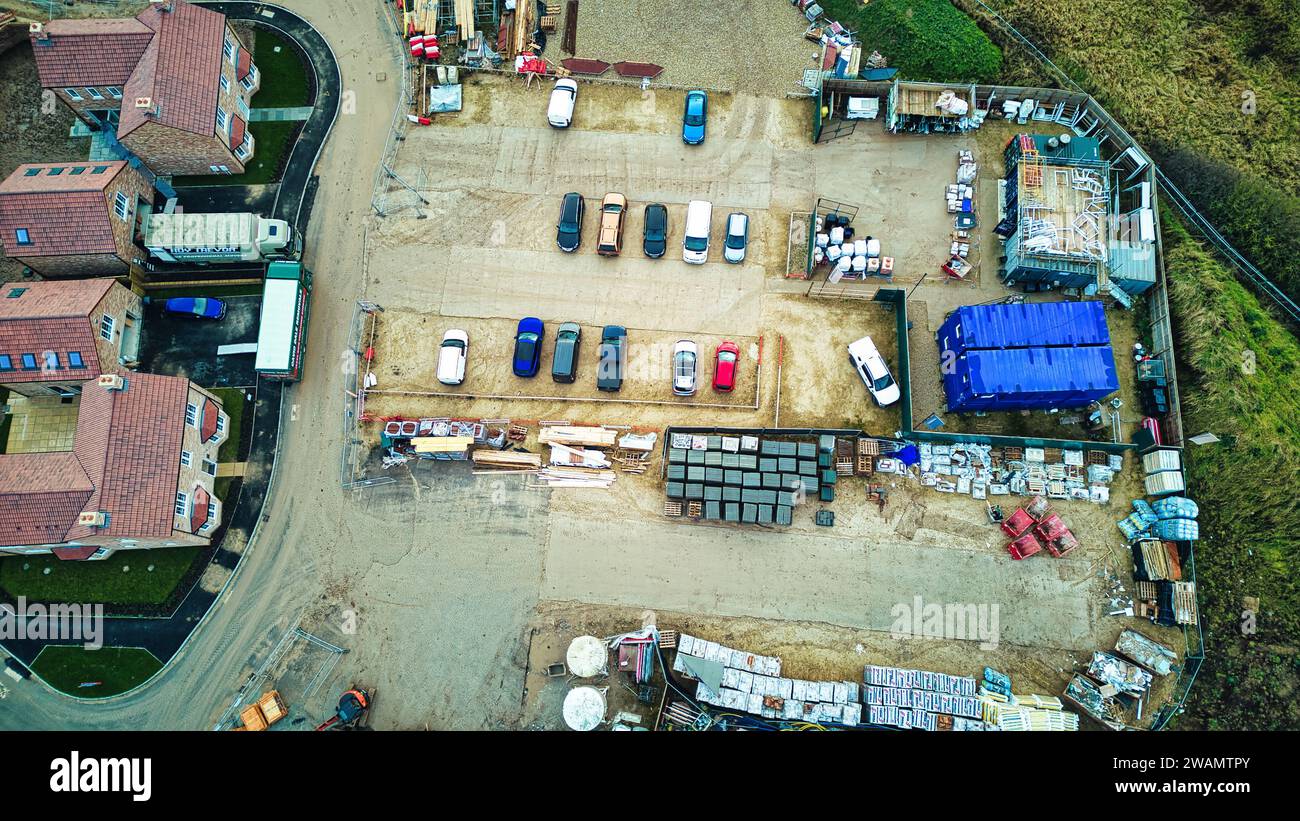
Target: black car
(569,230)
(656,230)
(613,358)
(564,365)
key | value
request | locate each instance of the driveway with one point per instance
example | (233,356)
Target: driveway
(179,346)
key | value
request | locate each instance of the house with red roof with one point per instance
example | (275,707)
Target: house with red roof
(75,219)
(140,473)
(172,84)
(57,335)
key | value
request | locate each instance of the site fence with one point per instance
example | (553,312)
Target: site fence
(356,368)
(391,192)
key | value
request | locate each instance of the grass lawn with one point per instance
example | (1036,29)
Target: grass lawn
(284,77)
(117,669)
(272,142)
(232,400)
(99,581)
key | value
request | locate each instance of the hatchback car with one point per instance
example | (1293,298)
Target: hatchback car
(559,112)
(528,346)
(733,250)
(568,231)
(870,365)
(684,355)
(451,357)
(613,212)
(725,362)
(655,235)
(613,358)
(694,117)
(198,307)
(564,363)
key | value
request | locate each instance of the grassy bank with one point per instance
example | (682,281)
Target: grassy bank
(122,579)
(924,39)
(109,670)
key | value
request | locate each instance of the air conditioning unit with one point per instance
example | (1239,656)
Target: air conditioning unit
(111,381)
(93,518)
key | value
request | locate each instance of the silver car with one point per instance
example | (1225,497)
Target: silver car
(685,356)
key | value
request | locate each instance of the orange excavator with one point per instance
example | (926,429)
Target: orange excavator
(353,710)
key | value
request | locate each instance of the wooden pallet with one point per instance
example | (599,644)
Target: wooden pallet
(672,507)
(844,467)
(1097,457)
(667,639)
(865,465)
(1013,454)
(517,433)
(695,509)
(548,22)
(868,447)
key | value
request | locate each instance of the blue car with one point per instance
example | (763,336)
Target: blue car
(695,116)
(201,307)
(528,346)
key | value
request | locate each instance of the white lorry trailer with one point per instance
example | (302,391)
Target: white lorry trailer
(204,238)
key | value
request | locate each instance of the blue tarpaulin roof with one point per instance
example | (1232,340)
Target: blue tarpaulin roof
(1030,378)
(878,73)
(1027,325)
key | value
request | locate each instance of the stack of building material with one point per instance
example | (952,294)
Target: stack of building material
(1124,676)
(915,699)
(576,477)
(465,17)
(510,459)
(442,444)
(566,456)
(577,436)
(1152,655)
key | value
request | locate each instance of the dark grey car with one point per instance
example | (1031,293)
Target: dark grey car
(564,365)
(568,232)
(613,358)
(655,240)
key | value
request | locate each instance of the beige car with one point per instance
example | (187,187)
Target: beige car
(613,212)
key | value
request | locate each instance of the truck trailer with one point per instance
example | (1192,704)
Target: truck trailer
(207,238)
(286,307)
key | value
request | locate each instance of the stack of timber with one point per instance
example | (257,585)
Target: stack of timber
(577,457)
(465,17)
(421,17)
(441,444)
(509,460)
(556,476)
(577,436)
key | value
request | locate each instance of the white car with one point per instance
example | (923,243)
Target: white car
(563,97)
(685,356)
(733,249)
(870,365)
(451,357)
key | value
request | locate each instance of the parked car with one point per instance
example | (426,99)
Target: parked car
(684,355)
(694,117)
(198,307)
(613,358)
(613,212)
(733,250)
(559,113)
(564,363)
(699,224)
(725,362)
(870,365)
(528,346)
(451,357)
(655,235)
(568,231)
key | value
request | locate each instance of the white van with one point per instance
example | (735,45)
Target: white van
(699,221)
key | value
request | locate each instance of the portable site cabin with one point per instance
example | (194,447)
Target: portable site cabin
(1026,325)
(1030,379)
(282,337)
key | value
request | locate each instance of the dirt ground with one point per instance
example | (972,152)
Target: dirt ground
(30,130)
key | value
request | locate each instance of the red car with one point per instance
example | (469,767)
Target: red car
(724,366)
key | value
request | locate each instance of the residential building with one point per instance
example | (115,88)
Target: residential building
(172,84)
(140,474)
(56,336)
(75,219)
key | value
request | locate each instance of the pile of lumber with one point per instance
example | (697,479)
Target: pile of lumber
(421,17)
(521,32)
(441,444)
(465,17)
(577,457)
(510,459)
(576,477)
(577,436)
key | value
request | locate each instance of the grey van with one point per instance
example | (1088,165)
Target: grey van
(564,365)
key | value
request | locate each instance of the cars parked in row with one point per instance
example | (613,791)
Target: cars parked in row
(725,362)
(871,367)
(613,213)
(452,355)
(568,231)
(685,353)
(654,240)
(695,117)
(564,362)
(613,358)
(733,249)
(564,97)
(528,346)
(699,224)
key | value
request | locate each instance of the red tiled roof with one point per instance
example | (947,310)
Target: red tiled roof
(40,495)
(199,508)
(89,52)
(179,71)
(64,213)
(50,316)
(208,425)
(74,554)
(243,63)
(237,128)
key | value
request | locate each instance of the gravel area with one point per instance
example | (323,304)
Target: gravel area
(748,46)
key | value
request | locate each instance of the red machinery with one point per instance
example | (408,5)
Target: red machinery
(1017,523)
(1024,547)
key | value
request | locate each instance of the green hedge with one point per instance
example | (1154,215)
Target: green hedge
(924,39)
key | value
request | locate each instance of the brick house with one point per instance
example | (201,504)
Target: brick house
(56,336)
(75,219)
(140,474)
(172,84)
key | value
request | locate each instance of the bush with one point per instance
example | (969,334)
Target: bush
(924,39)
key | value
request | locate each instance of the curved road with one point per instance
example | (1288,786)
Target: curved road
(277,580)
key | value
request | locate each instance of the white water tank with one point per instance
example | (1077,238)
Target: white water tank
(587,657)
(584,708)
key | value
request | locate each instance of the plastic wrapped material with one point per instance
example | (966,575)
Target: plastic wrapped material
(837,235)
(823,239)
(833,253)
(873,247)
(859,264)
(859,248)
(1175,507)
(1178,530)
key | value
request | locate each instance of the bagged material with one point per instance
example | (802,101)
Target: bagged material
(823,239)
(1178,530)
(833,253)
(1176,507)
(859,248)
(859,264)
(837,235)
